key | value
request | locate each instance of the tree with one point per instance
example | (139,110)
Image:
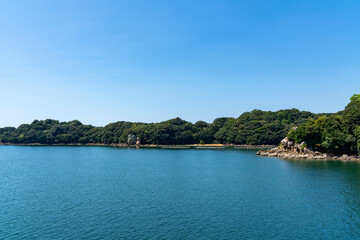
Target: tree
(351,114)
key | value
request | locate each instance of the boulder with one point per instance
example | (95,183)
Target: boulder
(131,139)
(285,143)
(288,149)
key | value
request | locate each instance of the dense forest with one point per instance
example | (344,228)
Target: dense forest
(255,128)
(336,134)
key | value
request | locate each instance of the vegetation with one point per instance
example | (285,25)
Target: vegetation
(337,134)
(255,128)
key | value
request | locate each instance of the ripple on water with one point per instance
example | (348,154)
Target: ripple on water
(98,192)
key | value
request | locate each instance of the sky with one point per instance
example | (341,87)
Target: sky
(149,61)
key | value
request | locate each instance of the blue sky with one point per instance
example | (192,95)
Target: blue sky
(105,61)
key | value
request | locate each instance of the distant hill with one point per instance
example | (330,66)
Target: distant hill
(255,128)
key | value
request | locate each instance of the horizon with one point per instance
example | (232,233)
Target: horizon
(107,61)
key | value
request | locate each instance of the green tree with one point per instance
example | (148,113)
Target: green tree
(351,114)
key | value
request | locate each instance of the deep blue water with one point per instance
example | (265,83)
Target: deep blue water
(114,193)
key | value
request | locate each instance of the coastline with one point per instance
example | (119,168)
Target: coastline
(308,155)
(263,150)
(185,146)
(290,150)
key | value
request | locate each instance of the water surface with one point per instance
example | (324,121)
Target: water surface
(114,193)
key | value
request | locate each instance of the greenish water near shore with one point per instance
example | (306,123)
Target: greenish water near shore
(87,192)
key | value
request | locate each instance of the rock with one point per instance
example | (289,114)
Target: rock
(317,153)
(306,150)
(289,150)
(131,139)
(273,150)
(322,156)
(137,141)
(285,143)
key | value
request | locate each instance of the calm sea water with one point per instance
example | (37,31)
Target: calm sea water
(112,193)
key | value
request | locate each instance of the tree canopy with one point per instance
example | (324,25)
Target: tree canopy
(337,134)
(255,127)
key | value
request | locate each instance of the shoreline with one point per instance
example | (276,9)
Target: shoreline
(310,155)
(263,150)
(291,150)
(185,146)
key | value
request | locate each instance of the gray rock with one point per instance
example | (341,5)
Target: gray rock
(131,139)
(289,150)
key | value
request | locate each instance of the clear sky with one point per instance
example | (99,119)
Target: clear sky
(106,61)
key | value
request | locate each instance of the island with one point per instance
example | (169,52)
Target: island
(297,134)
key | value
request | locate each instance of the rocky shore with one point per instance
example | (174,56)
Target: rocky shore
(289,150)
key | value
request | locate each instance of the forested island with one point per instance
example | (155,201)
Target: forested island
(336,133)
(252,128)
